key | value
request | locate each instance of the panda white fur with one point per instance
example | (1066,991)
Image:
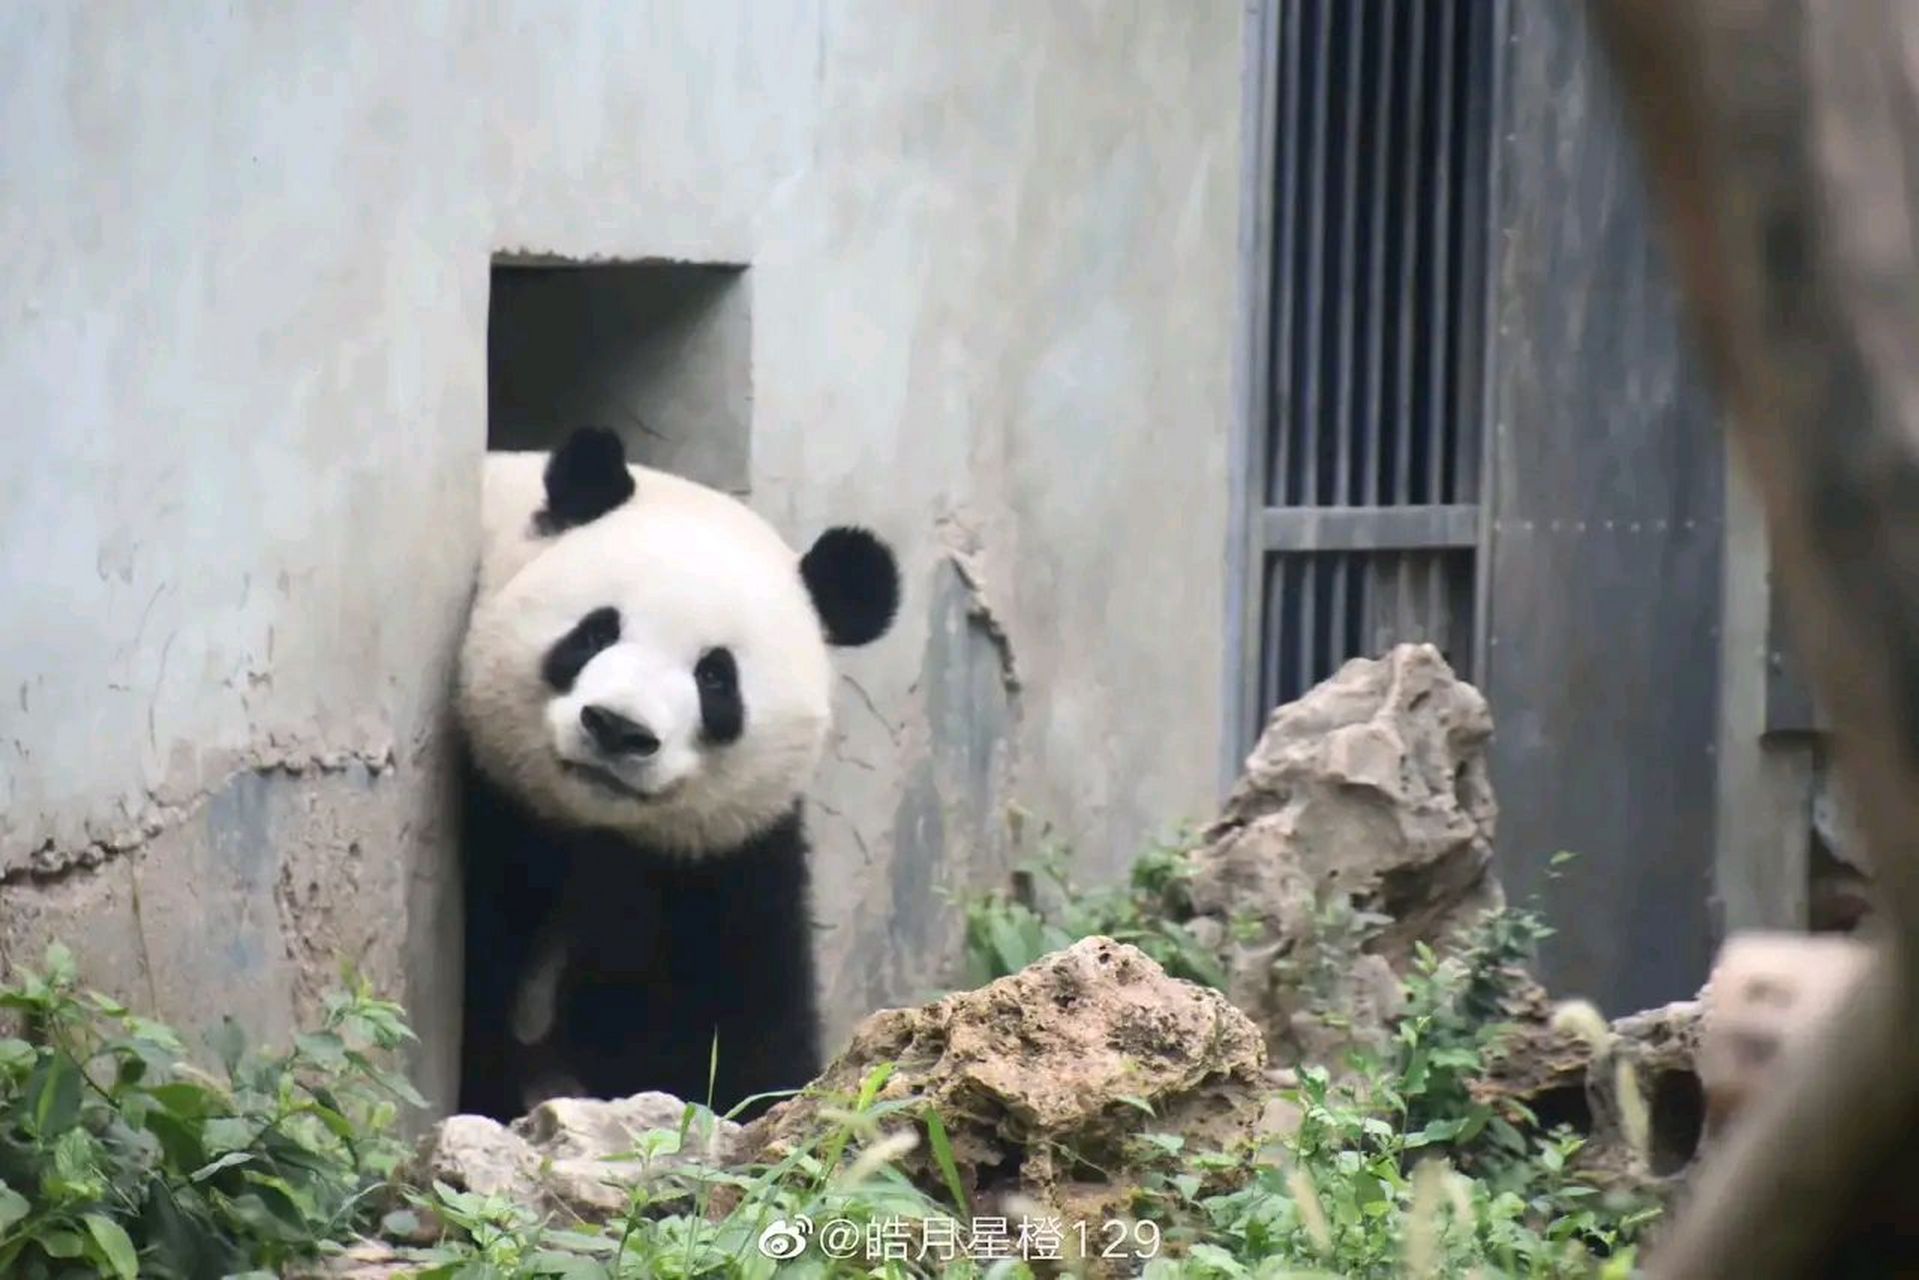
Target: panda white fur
(644,694)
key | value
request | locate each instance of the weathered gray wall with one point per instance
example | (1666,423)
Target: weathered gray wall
(990,252)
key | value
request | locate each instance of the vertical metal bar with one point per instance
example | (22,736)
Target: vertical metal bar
(1315,256)
(1308,600)
(1272,644)
(1283,423)
(1353,95)
(1354,618)
(1278,585)
(1365,582)
(1337,644)
(1329,627)
(1487,491)
(1386,603)
(1406,623)
(1296,659)
(1409,223)
(1413,607)
(1378,579)
(1473,313)
(1438,403)
(1438,344)
(1438,620)
(1362,615)
(1460,586)
(1376,281)
(1323,575)
(1429,599)
(1248,634)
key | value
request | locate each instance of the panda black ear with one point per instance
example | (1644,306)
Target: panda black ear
(855,585)
(585,478)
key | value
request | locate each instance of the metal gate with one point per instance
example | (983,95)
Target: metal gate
(1537,487)
(1366,375)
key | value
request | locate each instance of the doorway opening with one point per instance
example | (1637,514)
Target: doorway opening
(658,352)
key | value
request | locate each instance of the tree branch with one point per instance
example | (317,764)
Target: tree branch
(1781,138)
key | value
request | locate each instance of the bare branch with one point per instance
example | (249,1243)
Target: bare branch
(1780,137)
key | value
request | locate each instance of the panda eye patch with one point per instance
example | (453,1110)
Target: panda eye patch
(569,655)
(716,669)
(722,713)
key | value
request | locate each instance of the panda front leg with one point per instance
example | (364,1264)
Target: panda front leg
(689,976)
(510,889)
(768,1034)
(756,993)
(543,1074)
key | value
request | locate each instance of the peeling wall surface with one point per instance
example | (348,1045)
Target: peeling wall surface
(990,262)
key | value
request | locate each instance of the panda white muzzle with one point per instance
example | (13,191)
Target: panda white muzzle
(627,728)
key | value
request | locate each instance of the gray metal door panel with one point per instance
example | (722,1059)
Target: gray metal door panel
(1603,578)
(1536,488)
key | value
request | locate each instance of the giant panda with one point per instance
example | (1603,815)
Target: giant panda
(643,695)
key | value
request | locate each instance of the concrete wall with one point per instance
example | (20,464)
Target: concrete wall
(990,261)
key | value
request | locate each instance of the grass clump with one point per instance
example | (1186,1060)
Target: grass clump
(119,1157)
(1394,1168)
(1395,1171)
(839,1199)
(1048,911)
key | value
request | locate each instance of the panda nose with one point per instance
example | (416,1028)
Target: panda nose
(614,734)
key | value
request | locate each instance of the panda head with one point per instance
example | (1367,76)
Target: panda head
(654,661)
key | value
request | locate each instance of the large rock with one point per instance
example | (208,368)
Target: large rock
(1362,825)
(1040,1077)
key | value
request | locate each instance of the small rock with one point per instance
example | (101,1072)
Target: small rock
(366,1260)
(592,1129)
(1662,1047)
(473,1153)
(572,1155)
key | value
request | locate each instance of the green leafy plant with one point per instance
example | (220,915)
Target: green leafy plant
(1047,910)
(846,1174)
(119,1157)
(1394,1170)
(1366,1186)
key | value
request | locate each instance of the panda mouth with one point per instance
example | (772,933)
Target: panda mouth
(606,780)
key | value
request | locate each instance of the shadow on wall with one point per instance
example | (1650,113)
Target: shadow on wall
(950,827)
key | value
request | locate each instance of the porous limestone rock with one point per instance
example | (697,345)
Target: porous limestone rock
(1362,825)
(1629,1088)
(1041,1076)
